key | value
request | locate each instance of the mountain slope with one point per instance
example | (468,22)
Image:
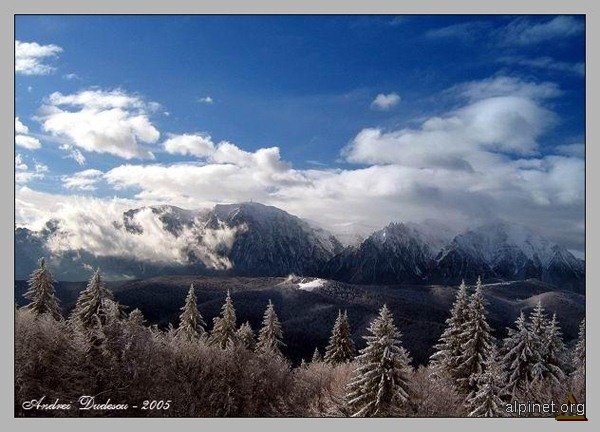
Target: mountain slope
(397,253)
(507,252)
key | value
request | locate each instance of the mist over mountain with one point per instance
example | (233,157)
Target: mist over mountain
(252,239)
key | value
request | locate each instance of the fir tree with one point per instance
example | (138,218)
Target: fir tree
(191,324)
(486,400)
(449,348)
(93,306)
(316,358)
(137,317)
(245,335)
(578,359)
(41,292)
(537,326)
(224,328)
(270,337)
(518,358)
(380,383)
(553,355)
(477,342)
(341,348)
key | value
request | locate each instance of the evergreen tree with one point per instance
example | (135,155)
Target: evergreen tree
(245,335)
(486,400)
(518,358)
(553,354)
(380,383)
(224,328)
(316,358)
(137,317)
(537,326)
(93,306)
(270,337)
(191,324)
(449,348)
(41,292)
(578,359)
(477,343)
(341,348)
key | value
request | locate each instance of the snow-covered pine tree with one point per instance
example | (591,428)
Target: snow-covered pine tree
(477,343)
(449,347)
(341,348)
(486,400)
(41,292)
(317,357)
(578,359)
(92,308)
(137,317)
(554,352)
(518,358)
(537,326)
(270,337)
(245,336)
(191,324)
(224,328)
(379,386)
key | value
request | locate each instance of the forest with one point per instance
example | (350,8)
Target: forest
(102,351)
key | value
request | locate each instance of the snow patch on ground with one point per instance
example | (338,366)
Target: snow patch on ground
(311,285)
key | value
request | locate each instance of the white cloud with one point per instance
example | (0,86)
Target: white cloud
(477,161)
(546,63)
(522,31)
(190,144)
(99,121)
(467,30)
(96,225)
(575,150)
(505,86)
(73,153)
(206,100)
(82,180)
(71,76)
(22,138)
(30,57)
(20,165)
(20,128)
(23,174)
(385,102)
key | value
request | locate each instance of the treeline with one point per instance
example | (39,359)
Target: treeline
(231,371)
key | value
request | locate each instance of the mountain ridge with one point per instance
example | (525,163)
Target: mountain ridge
(252,239)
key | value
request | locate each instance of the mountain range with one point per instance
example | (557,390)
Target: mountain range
(252,239)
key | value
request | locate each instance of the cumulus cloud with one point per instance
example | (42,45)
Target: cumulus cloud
(22,172)
(22,137)
(82,180)
(206,100)
(385,102)
(190,144)
(100,121)
(478,161)
(30,58)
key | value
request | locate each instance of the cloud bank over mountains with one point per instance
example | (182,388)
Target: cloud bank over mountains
(483,158)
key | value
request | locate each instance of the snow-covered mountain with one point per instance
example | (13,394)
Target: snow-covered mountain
(396,253)
(509,252)
(242,239)
(252,239)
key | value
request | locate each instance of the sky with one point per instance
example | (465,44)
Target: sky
(348,121)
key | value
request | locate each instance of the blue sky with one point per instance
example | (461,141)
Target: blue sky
(331,93)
